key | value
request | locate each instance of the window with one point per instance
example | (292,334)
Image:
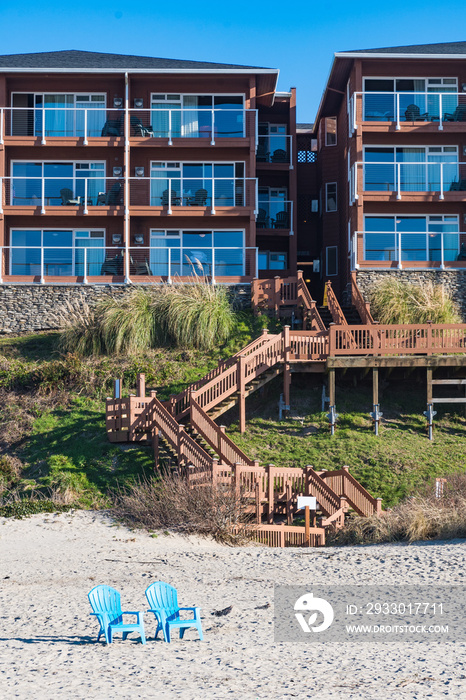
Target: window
(419,238)
(331,131)
(332,260)
(197,184)
(417,98)
(61,180)
(272,261)
(62,252)
(412,169)
(198,116)
(205,253)
(331,196)
(38,114)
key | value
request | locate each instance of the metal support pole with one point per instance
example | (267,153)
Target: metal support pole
(332,416)
(429,414)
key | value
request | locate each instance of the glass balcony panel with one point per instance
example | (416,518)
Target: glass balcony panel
(379,177)
(227,239)
(414,247)
(95,256)
(379,107)
(450,246)
(229,262)
(379,246)
(197,261)
(25,252)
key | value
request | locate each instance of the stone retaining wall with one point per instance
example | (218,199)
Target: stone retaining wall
(33,307)
(454,282)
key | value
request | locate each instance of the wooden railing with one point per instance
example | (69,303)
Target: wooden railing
(215,436)
(334,307)
(416,339)
(345,485)
(272,294)
(313,319)
(283,535)
(362,307)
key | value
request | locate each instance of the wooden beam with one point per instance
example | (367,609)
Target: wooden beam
(375,386)
(331,386)
(429,385)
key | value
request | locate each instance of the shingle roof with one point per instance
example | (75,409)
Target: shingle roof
(452,48)
(90,60)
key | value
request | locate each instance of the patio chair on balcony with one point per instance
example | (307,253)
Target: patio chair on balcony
(459,115)
(262,220)
(200,198)
(138,128)
(262,154)
(458,186)
(176,199)
(112,266)
(140,267)
(110,198)
(282,220)
(413,114)
(280,156)
(67,197)
(112,127)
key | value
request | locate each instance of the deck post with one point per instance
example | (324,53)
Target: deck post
(307,480)
(289,511)
(155,446)
(271,492)
(286,368)
(378,506)
(258,503)
(307,525)
(141,385)
(429,385)
(242,392)
(236,478)
(277,299)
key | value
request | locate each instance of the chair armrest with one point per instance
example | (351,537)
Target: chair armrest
(192,609)
(129,612)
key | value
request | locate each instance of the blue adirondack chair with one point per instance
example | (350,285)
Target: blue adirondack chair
(163,601)
(105,602)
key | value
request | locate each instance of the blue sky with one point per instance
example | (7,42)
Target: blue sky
(297,36)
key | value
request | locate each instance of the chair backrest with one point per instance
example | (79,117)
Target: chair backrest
(279,156)
(162,595)
(412,112)
(112,127)
(114,194)
(261,216)
(281,219)
(137,125)
(66,194)
(104,599)
(200,197)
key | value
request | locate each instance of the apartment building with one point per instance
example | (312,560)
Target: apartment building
(391,139)
(123,169)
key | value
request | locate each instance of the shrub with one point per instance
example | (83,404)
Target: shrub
(420,517)
(396,301)
(172,502)
(196,315)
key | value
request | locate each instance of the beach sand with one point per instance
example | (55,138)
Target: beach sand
(48,649)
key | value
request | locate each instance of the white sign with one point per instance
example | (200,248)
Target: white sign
(309,501)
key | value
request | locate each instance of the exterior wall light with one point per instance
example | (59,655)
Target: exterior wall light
(138,103)
(116,238)
(139,171)
(118,102)
(138,239)
(117,171)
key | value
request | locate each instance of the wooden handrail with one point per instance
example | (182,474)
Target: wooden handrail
(304,297)
(334,307)
(344,484)
(215,436)
(362,307)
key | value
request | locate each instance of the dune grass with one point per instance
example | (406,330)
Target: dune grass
(196,315)
(397,301)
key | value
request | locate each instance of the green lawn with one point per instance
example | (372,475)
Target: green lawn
(52,412)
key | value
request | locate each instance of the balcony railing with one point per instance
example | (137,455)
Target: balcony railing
(275,148)
(153,263)
(407,248)
(274,215)
(404,178)
(407,107)
(65,122)
(174,192)
(45,192)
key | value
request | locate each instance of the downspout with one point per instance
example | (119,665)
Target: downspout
(126,172)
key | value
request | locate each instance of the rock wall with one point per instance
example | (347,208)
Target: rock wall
(34,307)
(454,282)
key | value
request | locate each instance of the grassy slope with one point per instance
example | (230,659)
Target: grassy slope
(52,418)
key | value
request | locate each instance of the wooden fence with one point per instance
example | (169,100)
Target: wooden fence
(278,292)
(283,535)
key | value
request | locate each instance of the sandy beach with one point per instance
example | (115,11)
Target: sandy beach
(48,648)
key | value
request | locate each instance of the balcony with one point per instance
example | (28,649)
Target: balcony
(413,181)
(276,149)
(91,261)
(191,195)
(274,216)
(86,124)
(428,249)
(70,194)
(433,110)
